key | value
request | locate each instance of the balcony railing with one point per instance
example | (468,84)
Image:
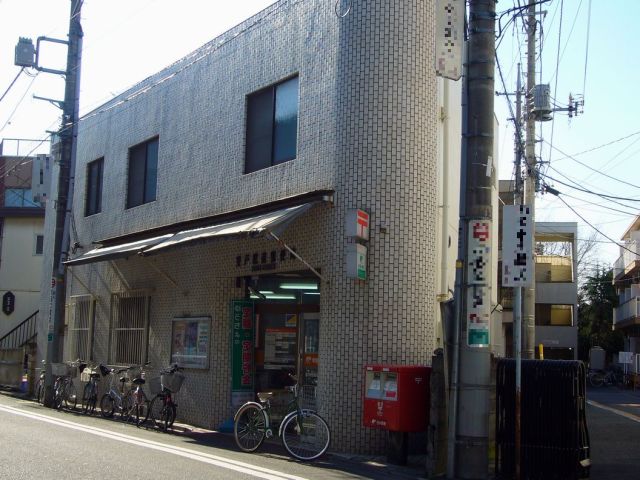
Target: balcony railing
(626,311)
(627,258)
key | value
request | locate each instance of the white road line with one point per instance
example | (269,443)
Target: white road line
(235,465)
(630,416)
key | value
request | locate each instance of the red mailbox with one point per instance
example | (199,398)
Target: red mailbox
(396,397)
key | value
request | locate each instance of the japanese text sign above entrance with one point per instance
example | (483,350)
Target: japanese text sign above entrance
(241,351)
(357,224)
(517,258)
(478,283)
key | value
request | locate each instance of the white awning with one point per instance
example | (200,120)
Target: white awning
(252,226)
(117,251)
(276,222)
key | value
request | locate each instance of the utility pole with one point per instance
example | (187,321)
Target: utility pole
(469,449)
(68,134)
(529,294)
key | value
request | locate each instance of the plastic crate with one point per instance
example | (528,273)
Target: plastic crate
(172,382)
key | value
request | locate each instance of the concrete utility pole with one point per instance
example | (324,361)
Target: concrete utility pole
(529,295)
(470,392)
(68,134)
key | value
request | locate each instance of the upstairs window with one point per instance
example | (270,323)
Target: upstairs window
(19,197)
(143,173)
(93,198)
(272,126)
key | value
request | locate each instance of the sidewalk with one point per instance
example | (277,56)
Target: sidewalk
(613,417)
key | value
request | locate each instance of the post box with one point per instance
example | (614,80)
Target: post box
(396,397)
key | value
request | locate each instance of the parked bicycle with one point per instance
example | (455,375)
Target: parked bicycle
(599,378)
(118,397)
(64,391)
(90,391)
(140,407)
(303,432)
(162,409)
(40,384)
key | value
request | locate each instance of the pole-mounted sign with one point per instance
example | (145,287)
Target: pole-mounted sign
(478,280)
(517,257)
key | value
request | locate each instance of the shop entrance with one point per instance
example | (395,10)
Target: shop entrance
(287,332)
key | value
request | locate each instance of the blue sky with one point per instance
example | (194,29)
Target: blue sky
(126,41)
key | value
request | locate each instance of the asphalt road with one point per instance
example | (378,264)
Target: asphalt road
(37,442)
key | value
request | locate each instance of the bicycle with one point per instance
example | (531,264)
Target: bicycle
(40,384)
(304,433)
(140,407)
(117,397)
(64,391)
(162,409)
(598,378)
(90,391)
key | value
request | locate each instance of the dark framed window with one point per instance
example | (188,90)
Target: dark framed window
(39,246)
(143,173)
(272,126)
(93,200)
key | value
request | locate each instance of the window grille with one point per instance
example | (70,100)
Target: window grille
(129,328)
(81,319)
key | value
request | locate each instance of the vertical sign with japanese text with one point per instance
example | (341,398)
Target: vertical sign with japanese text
(478,283)
(242,338)
(517,258)
(449,38)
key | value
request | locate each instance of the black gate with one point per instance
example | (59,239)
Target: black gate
(555,439)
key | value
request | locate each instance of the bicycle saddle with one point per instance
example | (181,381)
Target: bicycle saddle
(264,396)
(138,381)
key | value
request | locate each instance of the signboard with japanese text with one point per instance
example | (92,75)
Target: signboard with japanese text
(478,283)
(517,258)
(8,303)
(242,340)
(190,342)
(357,261)
(449,38)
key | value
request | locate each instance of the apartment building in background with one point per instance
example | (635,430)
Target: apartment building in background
(626,280)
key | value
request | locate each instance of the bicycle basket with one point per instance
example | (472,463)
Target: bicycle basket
(173,381)
(85,376)
(155,386)
(62,370)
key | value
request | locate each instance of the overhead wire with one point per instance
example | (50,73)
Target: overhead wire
(592,192)
(586,54)
(11,84)
(598,147)
(555,90)
(18,104)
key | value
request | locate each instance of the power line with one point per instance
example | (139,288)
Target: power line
(19,102)
(591,168)
(590,191)
(586,54)
(11,85)
(596,148)
(557,194)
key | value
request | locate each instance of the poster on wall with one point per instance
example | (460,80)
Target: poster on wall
(242,350)
(190,342)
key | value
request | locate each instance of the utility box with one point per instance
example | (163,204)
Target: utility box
(396,397)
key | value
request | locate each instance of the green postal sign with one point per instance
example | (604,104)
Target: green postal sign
(242,347)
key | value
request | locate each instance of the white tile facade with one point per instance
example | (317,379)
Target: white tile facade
(368,129)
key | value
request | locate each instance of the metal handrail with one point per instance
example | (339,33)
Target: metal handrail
(21,333)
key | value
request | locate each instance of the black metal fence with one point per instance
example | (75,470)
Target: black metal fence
(554,434)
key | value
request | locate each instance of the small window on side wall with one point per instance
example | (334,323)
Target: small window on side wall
(272,126)
(93,203)
(143,173)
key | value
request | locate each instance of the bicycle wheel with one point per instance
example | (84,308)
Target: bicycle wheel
(58,394)
(306,435)
(70,397)
(141,412)
(168,416)
(596,379)
(87,392)
(107,406)
(250,427)
(126,412)
(156,413)
(40,392)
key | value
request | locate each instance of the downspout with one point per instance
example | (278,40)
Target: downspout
(444,244)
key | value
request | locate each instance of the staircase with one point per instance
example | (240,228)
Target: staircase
(18,347)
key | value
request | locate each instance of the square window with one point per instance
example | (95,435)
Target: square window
(93,198)
(143,173)
(272,125)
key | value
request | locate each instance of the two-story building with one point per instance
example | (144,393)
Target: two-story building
(282,200)
(23,190)
(626,279)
